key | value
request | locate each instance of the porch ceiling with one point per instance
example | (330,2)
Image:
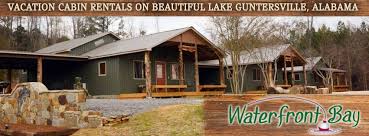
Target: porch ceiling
(205,52)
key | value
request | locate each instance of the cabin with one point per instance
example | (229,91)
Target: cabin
(107,65)
(315,65)
(291,69)
(270,57)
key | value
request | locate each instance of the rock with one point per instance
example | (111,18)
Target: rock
(62,99)
(323,90)
(277,90)
(40,121)
(297,89)
(72,118)
(81,97)
(71,98)
(58,122)
(45,114)
(310,89)
(94,121)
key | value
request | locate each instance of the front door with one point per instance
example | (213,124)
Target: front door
(160,73)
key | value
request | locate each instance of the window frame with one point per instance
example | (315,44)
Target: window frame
(171,74)
(299,75)
(99,68)
(259,71)
(143,70)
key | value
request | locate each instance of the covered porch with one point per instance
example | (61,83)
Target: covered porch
(287,62)
(32,68)
(340,82)
(185,52)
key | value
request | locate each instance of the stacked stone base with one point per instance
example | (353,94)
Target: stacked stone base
(33,103)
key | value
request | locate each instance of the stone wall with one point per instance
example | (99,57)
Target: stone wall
(33,103)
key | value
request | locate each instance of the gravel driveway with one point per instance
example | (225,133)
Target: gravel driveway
(115,107)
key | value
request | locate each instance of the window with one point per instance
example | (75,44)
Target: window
(102,68)
(139,69)
(297,76)
(174,71)
(256,74)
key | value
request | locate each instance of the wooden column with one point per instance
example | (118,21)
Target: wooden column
(338,79)
(9,76)
(221,71)
(148,73)
(270,74)
(39,69)
(305,77)
(197,81)
(180,61)
(285,71)
(292,72)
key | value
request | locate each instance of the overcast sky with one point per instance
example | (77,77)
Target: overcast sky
(200,23)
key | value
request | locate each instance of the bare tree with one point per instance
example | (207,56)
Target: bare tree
(237,35)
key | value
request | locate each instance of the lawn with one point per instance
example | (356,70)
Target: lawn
(181,120)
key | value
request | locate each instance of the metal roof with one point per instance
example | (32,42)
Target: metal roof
(24,54)
(256,56)
(71,44)
(133,45)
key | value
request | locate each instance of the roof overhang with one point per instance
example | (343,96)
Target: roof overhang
(32,55)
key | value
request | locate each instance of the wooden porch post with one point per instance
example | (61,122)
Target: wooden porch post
(9,74)
(338,79)
(39,69)
(180,61)
(221,71)
(148,73)
(270,74)
(305,78)
(285,71)
(292,72)
(197,82)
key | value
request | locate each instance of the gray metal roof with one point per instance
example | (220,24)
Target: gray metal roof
(71,44)
(21,54)
(256,56)
(138,44)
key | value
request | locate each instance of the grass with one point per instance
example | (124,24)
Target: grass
(180,120)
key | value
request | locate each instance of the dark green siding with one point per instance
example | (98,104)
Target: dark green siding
(102,85)
(91,45)
(127,82)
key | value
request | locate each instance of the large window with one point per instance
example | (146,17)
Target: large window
(174,71)
(256,74)
(102,68)
(139,69)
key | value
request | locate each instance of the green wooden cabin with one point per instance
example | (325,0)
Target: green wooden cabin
(108,65)
(279,56)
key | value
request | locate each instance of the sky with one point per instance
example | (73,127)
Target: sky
(154,24)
